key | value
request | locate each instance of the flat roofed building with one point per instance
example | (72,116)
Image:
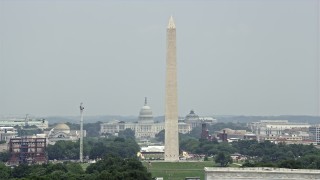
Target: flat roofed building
(217,173)
(314,133)
(11,122)
(276,127)
(7,132)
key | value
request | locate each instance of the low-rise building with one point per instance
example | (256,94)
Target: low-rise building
(266,128)
(151,152)
(7,132)
(11,122)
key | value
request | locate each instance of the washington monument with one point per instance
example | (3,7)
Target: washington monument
(171,152)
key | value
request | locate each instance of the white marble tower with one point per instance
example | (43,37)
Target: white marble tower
(171,153)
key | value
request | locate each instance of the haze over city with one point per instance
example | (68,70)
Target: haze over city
(234,57)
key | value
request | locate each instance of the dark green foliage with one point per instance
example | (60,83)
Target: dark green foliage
(259,154)
(4,171)
(21,171)
(124,148)
(94,148)
(56,172)
(121,162)
(114,167)
(4,156)
(160,136)
(92,129)
(127,133)
(267,154)
(64,150)
(223,159)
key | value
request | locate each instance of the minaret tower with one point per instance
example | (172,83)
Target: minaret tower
(171,152)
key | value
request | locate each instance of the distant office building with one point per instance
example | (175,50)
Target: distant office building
(314,132)
(281,131)
(11,122)
(276,127)
(7,132)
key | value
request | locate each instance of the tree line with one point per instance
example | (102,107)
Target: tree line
(118,161)
(93,148)
(109,168)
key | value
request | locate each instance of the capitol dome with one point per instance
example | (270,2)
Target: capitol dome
(61,127)
(145,115)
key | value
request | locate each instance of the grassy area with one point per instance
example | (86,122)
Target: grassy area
(178,170)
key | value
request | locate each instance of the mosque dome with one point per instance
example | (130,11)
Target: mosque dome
(61,127)
(145,115)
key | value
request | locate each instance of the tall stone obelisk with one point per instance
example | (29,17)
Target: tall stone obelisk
(171,152)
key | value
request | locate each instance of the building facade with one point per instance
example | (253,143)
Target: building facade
(63,132)
(255,173)
(8,132)
(314,133)
(11,122)
(144,128)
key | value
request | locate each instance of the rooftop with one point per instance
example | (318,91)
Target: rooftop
(261,169)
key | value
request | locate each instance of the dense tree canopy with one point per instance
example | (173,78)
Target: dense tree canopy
(257,153)
(110,167)
(94,148)
(119,161)
(125,148)
(114,167)
(66,150)
(223,159)
(127,134)
(44,171)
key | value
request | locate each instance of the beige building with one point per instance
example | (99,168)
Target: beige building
(276,128)
(62,132)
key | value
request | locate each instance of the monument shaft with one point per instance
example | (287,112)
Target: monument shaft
(171,101)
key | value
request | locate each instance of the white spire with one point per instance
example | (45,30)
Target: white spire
(171,24)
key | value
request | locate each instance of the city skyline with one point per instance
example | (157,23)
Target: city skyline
(234,58)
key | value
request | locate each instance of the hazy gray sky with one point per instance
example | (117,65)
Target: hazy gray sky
(248,57)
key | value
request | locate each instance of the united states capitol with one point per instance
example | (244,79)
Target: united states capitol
(146,127)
